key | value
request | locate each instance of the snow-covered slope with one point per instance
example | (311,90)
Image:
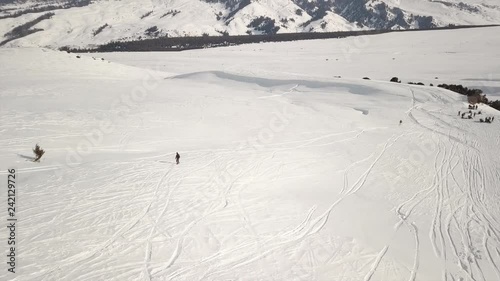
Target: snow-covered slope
(432,57)
(99,22)
(286,173)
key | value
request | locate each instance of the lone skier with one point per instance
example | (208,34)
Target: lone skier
(177,157)
(400,122)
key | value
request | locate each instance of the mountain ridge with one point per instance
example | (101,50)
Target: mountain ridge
(84,23)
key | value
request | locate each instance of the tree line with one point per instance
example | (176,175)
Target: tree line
(473,95)
(25,29)
(166,43)
(70,4)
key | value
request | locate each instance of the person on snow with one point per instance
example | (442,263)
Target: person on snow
(177,157)
(400,122)
(459,113)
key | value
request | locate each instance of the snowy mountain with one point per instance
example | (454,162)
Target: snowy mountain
(292,166)
(82,23)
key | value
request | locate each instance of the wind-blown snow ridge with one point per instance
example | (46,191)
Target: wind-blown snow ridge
(268,83)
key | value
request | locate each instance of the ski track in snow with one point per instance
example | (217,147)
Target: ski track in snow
(450,198)
(449,233)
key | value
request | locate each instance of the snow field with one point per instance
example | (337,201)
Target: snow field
(285,173)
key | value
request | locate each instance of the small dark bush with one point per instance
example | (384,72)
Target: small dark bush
(100,29)
(152,31)
(146,14)
(175,12)
(264,24)
(395,80)
(38,153)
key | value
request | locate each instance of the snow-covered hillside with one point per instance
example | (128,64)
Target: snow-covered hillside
(432,57)
(286,172)
(98,22)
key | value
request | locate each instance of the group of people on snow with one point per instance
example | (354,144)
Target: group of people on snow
(470,114)
(487,120)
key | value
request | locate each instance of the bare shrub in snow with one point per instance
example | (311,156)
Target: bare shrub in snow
(38,153)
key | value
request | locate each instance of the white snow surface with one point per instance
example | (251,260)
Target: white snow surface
(286,171)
